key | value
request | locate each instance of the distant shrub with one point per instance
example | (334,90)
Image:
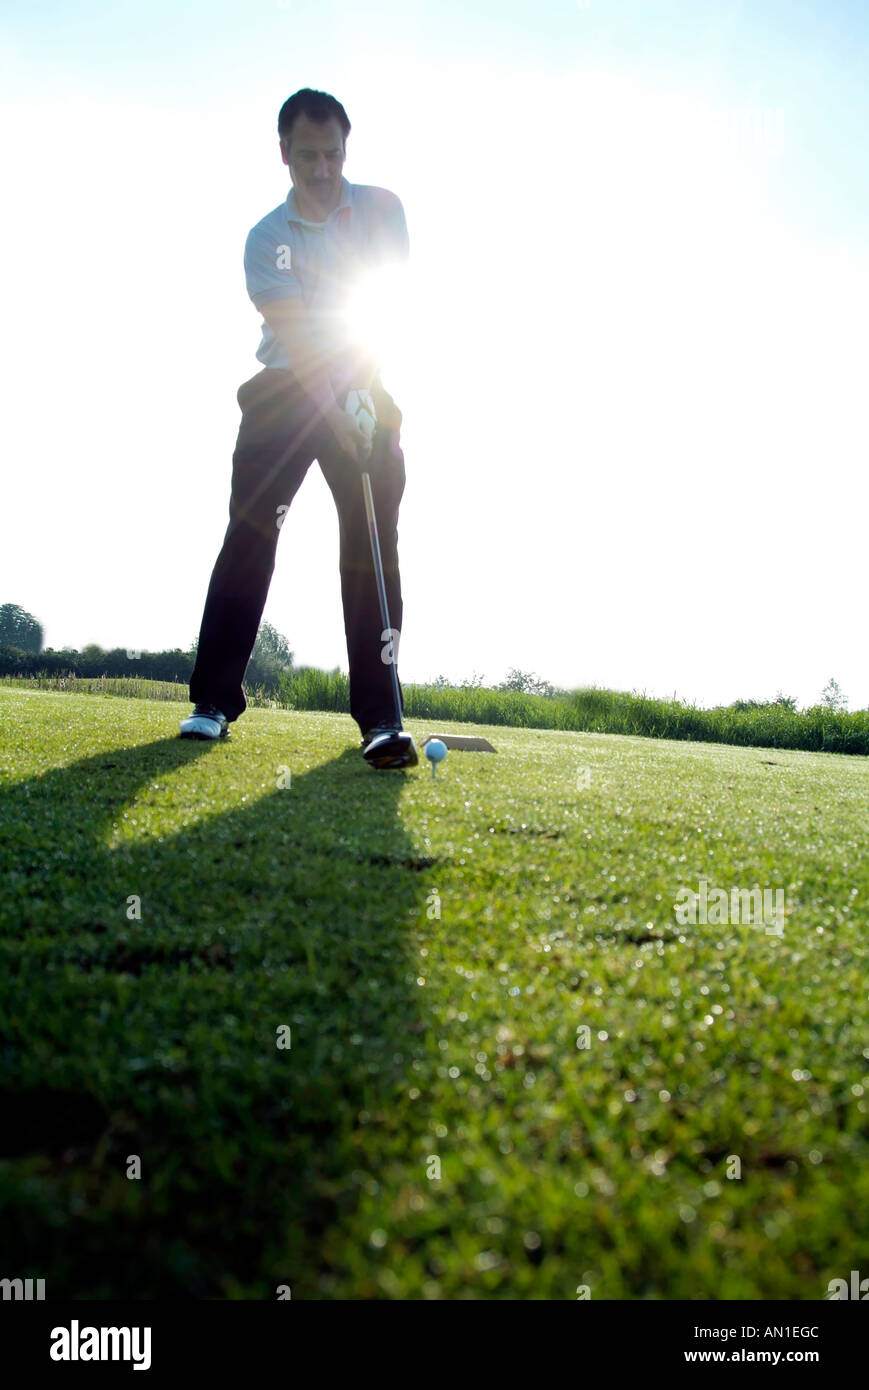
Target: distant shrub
(173,665)
(20,629)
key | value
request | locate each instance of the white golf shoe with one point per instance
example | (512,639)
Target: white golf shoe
(206,721)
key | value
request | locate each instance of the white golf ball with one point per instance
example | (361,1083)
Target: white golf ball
(435,750)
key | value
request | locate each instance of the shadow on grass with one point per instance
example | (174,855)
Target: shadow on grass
(157,1037)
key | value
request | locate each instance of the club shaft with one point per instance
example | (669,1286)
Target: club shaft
(381,588)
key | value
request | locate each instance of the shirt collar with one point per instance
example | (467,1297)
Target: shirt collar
(294,215)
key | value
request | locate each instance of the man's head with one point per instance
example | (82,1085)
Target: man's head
(313,129)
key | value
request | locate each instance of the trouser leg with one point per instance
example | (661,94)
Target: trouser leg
(372,699)
(278,439)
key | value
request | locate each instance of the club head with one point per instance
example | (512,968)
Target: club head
(393,749)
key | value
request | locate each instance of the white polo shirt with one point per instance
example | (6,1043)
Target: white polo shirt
(286,257)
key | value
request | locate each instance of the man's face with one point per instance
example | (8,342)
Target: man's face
(315,157)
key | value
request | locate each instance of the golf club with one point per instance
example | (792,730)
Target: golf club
(395,749)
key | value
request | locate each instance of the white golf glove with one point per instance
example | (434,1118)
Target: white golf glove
(360,407)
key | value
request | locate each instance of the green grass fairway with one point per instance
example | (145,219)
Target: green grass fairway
(433,945)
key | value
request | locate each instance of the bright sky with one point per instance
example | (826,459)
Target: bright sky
(633,359)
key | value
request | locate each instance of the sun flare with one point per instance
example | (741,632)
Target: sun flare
(376,316)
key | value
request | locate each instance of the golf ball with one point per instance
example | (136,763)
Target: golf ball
(435,750)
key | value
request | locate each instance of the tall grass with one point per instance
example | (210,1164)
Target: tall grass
(307,687)
(595,710)
(136,687)
(592,710)
(132,687)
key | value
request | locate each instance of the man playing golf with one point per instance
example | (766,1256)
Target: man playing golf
(300,261)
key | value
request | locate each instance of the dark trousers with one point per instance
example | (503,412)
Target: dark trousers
(279,437)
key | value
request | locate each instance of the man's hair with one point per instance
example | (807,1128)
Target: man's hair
(317,106)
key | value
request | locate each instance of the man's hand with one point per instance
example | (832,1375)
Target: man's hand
(351,437)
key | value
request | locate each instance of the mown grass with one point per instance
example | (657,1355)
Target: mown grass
(589,710)
(433,944)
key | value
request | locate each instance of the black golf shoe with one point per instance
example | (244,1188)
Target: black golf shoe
(389,747)
(375,731)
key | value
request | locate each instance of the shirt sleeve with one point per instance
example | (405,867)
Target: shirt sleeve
(268,268)
(391,242)
(396,233)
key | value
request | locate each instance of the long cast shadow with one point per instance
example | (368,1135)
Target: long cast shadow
(157,1037)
